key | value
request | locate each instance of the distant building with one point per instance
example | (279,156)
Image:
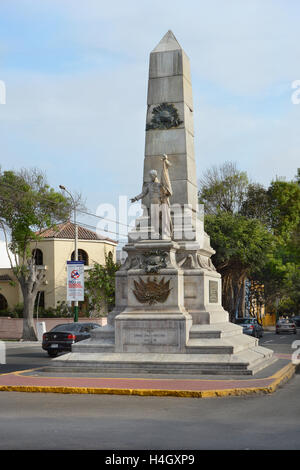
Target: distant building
(52,252)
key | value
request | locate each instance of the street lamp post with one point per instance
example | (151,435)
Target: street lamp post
(76,245)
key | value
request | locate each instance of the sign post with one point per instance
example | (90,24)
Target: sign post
(75,283)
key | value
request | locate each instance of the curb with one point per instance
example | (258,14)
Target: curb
(279,378)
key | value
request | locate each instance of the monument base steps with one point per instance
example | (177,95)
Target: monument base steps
(244,363)
(211,349)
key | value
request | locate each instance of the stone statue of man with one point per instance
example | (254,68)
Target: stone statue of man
(159,203)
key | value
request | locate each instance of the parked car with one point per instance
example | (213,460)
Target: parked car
(250,326)
(286,325)
(61,337)
(296,320)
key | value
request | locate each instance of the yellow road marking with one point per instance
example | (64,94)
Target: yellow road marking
(279,377)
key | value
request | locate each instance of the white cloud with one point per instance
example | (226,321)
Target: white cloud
(86,128)
(245,47)
(265,147)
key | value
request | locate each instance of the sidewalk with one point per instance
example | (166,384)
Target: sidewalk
(35,380)
(12,344)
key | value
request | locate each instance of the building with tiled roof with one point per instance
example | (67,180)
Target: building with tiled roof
(53,249)
(67,230)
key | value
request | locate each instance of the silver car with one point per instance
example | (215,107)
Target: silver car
(286,326)
(250,327)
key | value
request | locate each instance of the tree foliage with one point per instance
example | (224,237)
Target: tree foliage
(255,233)
(241,245)
(278,207)
(222,189)
(27,207)
(284,208)
(100,285)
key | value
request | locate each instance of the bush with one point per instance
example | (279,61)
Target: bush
(62,310)
(5,313)
(16,312)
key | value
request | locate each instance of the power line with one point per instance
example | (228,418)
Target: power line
(78,210)
(95,228)
(79,223)
(103,218)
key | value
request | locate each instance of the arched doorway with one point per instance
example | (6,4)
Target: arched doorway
(37,254)
(3,303)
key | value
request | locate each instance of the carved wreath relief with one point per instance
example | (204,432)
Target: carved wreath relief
(152,291)
(153,261)
(164,116)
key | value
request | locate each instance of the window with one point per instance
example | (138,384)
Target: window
(82,256)
(37,254)
(67,327)
(3,303)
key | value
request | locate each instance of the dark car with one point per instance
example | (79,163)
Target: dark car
(286,326)
(61,337)
(250,326)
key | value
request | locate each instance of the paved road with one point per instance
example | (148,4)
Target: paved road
(49,421)
(21,356)
(279,343)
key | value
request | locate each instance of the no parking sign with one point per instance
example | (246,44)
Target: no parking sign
(75,280)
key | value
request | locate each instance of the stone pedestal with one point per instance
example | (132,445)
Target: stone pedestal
(155,319)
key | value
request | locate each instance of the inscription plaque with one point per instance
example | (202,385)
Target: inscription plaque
(213,292)
(152,337)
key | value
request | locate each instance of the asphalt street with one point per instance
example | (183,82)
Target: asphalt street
(52,421)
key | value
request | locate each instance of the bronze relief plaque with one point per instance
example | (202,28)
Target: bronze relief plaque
(151,291)
(164,116)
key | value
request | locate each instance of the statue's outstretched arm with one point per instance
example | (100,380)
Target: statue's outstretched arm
(140,196)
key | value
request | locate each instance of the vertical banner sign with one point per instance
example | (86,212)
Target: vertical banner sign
(75,280)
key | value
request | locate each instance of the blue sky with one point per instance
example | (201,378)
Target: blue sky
(76,83)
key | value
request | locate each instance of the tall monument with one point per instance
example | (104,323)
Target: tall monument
(168,316)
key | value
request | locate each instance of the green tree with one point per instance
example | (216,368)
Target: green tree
(280,275)
(27,207)
(241,245)
(256,203)
(100,285)
(223,189)
(278,207)
(276,210)
(284,208)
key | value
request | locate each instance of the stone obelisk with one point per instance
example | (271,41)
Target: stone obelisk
(168,316)
(170,131)
(170,122)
